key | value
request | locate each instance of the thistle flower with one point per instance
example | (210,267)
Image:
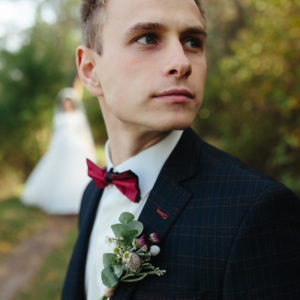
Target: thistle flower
(144,242)
(154,250)
(154,238)
(134,262)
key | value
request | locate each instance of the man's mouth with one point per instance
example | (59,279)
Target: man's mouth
(175,96)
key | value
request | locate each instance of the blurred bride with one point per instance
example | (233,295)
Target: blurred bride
(57,183)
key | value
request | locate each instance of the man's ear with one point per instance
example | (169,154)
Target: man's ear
(85,61)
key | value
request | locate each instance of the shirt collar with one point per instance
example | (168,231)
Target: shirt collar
(148,163)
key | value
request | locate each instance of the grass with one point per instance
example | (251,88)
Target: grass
(17,223)
(47,283)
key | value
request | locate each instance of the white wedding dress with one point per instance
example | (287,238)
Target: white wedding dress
(57,183)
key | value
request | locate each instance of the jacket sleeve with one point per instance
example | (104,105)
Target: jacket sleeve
(264,261)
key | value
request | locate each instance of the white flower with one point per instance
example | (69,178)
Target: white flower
(127,256)
(109,240)
(154,250)
(117,250)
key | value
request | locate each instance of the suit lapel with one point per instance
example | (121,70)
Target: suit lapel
(76,275)
(167,199)
(169,196)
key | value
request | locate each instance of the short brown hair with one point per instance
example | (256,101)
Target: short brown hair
(93,17)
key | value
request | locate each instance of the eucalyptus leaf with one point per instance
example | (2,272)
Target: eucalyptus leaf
(131,230)
(118,270)
(118,229)
(130,234)
(108,259)
(135,225)
(126,217)
(109,278)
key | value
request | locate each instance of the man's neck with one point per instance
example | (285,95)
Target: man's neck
(122,147)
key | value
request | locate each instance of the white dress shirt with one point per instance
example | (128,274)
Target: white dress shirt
(146,165)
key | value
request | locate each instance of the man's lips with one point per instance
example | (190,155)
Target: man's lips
(175,95)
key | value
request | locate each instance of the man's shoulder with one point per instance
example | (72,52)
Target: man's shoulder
(228,165)
(225,172)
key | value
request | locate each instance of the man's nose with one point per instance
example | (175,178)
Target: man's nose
(177,64)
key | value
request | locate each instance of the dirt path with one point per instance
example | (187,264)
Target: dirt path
(18,269)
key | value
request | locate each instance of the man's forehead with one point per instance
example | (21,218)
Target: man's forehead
(126,13)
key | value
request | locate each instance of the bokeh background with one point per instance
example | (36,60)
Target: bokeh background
(251,107)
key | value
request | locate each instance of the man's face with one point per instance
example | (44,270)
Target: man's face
(153,67)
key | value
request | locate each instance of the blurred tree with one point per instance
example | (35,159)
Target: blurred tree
(29,81)
(253,88)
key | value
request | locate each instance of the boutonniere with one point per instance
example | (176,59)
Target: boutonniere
(130,260)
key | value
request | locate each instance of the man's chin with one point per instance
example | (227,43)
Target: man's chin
(177,121)
(175,126)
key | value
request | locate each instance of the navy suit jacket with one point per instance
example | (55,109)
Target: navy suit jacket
(228,232)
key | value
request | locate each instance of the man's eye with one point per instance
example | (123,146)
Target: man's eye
(194,43)
(147,39)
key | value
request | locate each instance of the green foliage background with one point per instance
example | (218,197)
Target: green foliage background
(252,101)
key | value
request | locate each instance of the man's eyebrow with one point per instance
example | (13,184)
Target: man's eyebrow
(195,30)
(140,27)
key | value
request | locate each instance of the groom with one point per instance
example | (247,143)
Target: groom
(227,232)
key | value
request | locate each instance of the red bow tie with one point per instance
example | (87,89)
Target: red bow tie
(127,182)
